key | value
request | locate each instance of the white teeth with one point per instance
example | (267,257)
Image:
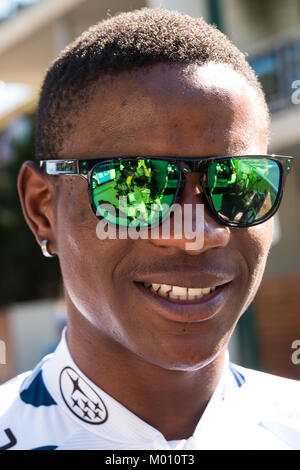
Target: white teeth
(156,286)
(162,293)
(164,288)
(173,296)
(196,291)
(206,291)
(177,292)
(181,291)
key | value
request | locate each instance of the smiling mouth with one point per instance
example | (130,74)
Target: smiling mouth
(185,304)
(176,293)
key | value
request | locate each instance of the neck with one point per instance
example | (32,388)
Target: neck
(171,401)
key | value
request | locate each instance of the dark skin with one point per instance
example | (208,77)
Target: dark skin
(163,370)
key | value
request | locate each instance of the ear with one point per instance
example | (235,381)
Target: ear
(37,196)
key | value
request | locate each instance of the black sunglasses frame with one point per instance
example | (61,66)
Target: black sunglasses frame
(84,168)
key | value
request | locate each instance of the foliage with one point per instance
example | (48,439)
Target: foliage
(24,273)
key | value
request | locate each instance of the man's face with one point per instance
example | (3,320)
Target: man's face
(173,111)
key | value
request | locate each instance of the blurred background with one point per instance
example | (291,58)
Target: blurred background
(32,33)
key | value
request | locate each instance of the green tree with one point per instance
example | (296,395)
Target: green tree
(24,272)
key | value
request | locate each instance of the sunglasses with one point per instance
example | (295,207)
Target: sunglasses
(241,190)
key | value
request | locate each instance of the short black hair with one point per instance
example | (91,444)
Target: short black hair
(126,42)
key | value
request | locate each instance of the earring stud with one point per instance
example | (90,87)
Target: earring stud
(45,251)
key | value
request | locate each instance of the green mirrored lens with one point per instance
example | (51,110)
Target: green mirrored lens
(134,192)
(244,190)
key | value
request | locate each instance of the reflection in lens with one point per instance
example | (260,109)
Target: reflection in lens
(243,190)
(140,190)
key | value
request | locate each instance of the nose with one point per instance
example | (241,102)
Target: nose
(215,234)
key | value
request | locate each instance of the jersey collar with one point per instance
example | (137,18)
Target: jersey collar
(101,414)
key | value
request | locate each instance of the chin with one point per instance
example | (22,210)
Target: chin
(184,360)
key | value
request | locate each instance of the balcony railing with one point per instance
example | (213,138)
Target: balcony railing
(277,69)
(9,8)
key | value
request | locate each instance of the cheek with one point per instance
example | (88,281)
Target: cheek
(255,243)
(83,259)
(88,264)
(75,222)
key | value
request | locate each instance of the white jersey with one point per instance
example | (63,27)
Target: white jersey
(57,407)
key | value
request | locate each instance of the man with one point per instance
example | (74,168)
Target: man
(143,362)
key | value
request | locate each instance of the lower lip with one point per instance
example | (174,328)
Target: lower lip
(187,311)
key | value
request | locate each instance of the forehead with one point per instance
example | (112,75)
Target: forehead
(162,108)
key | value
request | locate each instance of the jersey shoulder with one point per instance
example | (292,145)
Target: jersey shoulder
(29,416)
(27,388)
(10,391)
(274,400)
(266,383)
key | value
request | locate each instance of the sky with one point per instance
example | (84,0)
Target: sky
(12,94)
(7,7)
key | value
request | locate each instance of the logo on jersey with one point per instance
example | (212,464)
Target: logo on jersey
(80,398)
